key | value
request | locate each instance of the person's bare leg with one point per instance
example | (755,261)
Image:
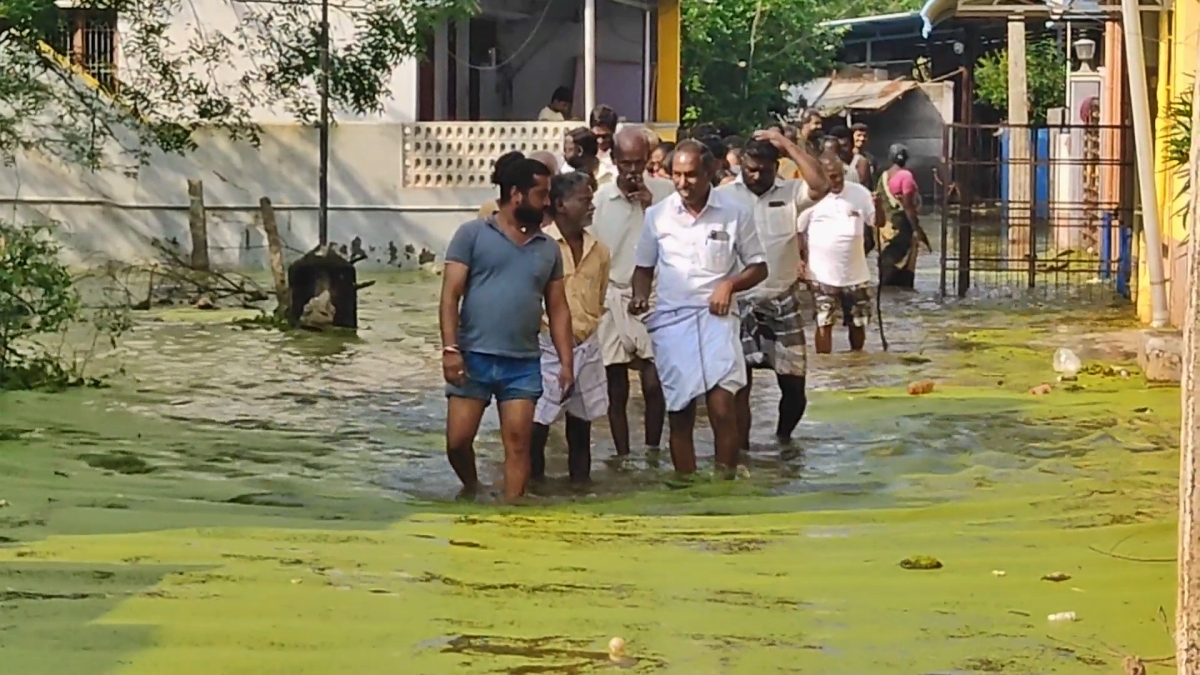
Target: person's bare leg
(683,448)
(741,407)
(858,338)
(462,423)
(579,449)
(656,404)
(618,406)
(824,339)
(516,430)
(723,418)
(537,450)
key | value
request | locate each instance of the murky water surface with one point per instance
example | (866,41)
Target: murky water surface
(242,501)
(377,399)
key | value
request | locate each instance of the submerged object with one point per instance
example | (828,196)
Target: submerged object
(921,562)
(1066,363)
(1062,616)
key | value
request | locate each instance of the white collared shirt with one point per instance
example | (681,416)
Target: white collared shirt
(694,254)
(775,214)
(618,222)
(836,227)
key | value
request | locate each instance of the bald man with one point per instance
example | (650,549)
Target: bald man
(491,206)
(620,212)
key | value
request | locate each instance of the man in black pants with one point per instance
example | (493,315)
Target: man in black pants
(773,313)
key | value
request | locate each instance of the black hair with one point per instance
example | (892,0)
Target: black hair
(564,184)
(735,150)
(811,114)
(734,142)
(704,129)
(603,116)
(716,146)
(898,154)
(515,170)
(585,140)
(761,151)
(562,94)
(665,146)
(840,132)
(859,126)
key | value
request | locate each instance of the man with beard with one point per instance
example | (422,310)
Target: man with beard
(772,313)
(491,206)
(855,164)
(705,250)
(812,132)
(620,214)
(586,264)
(498,272)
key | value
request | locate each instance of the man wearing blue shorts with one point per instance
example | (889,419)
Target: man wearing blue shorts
(499,271)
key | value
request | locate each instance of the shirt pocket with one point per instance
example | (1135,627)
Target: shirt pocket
(716,252)
(778,222)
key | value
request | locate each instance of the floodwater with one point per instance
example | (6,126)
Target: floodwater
(242,501)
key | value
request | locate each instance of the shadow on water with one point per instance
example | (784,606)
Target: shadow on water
(373,403)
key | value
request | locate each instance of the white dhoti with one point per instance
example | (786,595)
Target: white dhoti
(696,352)
(589,401)
(622,337)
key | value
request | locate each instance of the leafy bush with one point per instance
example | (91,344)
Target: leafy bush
(39,299)
(1045,77)
(1177,149)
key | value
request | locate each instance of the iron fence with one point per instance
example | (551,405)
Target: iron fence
(1040,209)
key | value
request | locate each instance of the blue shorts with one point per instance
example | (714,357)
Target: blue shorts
(505,378)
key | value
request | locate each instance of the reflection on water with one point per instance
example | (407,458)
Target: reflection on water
(376,399)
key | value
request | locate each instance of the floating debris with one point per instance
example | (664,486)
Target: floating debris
(1062,616)
(921,562)
(999,573)
(1056,576)
(920,387)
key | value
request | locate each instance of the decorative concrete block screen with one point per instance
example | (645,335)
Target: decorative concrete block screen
(461,154)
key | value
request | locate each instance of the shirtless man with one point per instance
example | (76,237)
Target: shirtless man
(620,212)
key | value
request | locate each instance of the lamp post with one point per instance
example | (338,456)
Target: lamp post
(323,140)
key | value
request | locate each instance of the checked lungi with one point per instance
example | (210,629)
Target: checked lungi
(773,331)
(589,401)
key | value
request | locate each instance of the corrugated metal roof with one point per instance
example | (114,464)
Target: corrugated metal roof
(832,96)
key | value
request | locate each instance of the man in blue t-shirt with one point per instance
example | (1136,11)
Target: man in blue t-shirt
(499,270)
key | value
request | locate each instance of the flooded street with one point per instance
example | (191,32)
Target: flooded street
(241,501)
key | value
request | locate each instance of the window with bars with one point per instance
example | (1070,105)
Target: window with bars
(88,37)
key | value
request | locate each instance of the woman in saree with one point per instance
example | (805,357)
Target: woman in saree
(900,231)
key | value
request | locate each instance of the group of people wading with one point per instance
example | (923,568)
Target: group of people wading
(691,264)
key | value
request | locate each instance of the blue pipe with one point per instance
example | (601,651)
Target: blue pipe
(1106,245)
(1125,262)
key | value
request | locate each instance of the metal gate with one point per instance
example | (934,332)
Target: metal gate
(1044,210)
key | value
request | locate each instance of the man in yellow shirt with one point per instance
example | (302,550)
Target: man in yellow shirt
(586,264)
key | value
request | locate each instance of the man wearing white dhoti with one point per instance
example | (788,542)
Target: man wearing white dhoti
(620,212)
(585,276)
(697,241)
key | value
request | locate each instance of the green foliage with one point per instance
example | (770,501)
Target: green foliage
(179,78)
(38,299)
(738,53)
(1045,73)
(1177,148)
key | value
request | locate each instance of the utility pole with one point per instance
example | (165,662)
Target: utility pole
(1187,620)
(323,169)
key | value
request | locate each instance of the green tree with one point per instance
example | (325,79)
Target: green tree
(209,80)
(738,54)
(1045,73)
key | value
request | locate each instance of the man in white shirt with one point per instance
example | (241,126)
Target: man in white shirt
(624,343)
(772,313)
(832,235)
(603,122)
(705,249)
(560,106)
